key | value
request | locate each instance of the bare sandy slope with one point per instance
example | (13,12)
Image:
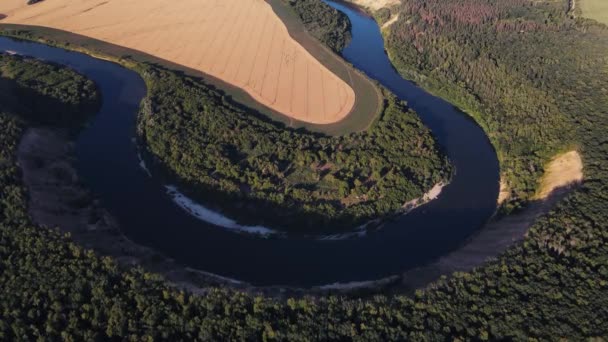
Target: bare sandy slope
(374,4)
(564,170)
(505,193)
(391,21)
(241,42)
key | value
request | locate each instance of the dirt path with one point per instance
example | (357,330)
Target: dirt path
(241,42)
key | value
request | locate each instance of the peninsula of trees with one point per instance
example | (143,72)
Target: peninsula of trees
(256,169)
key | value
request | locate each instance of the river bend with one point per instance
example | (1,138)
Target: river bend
(107,160)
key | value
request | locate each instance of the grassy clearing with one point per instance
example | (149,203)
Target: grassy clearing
(595,9)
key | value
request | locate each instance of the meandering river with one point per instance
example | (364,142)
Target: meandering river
(107,160)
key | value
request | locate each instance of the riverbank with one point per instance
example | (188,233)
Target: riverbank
(198,243)
(592,9)
(373,5)
(58,198)
(563,175)
(359,284)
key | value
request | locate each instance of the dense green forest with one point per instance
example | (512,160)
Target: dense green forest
(257,169)
(57,92)
(328,25)
(508,64)
(553,286)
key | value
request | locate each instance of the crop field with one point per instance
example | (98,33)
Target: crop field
(241,42)
(595,9)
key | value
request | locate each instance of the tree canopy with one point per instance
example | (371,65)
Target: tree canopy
(263,172)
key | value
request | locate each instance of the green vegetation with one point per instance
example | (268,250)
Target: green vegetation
(382,15)
(61,95)
(323,22)
(553,286)
(294,179)
(594,9)
(504,63)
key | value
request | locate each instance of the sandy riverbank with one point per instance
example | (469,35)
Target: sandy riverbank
(564,172)
(216,218)
(391,21)
(241,42)
(374,5)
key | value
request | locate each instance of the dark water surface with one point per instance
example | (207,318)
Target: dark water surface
(107,160)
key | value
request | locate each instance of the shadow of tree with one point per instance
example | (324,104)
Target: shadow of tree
(489,243)
(41,109)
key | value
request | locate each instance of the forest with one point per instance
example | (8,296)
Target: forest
(553,286)
(262,172)
(504,63)
(328,25)
(60,94)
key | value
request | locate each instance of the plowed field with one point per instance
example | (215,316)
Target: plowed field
(241,42)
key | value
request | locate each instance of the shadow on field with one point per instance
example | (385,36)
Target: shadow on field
(2,16)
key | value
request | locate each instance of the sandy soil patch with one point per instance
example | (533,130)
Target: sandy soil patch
(593,9)
(374,4)
(505,192)
(564,170)
(241,42)
(216,218)
(391,21)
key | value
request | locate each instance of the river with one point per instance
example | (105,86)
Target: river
(107,159)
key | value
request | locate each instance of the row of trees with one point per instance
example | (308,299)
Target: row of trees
(259,170)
